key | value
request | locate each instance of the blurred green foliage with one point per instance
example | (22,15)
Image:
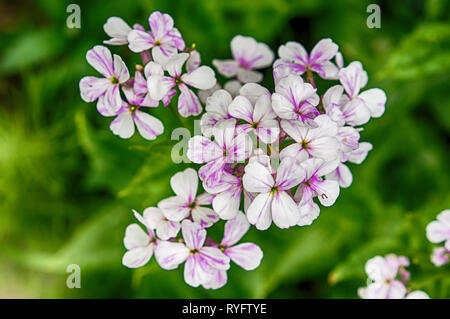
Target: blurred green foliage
(68,184)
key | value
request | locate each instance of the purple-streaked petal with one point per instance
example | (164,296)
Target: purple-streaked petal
(259,213)
(139,41)
(170,255)
(91,87)
(323,51)
(188,102)
(218,280)
(148,126)
(120,69)
(158,86)
(100,58)
(193,234)
(352,78)
(155,219)
(289,174)
(359,155)
(294,52)
(204,216)
(203,150)
(215,258)
(235,229)
(342,175)
(163,53)
(246,255)
(227,68)
(160,24)
(197,271)
(193,62)
(175,208)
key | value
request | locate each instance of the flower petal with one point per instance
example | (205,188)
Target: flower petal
(135,237)
(160,24)
(118,30)
(188,102)
(375,100)
(197,271)
(175,208)
(185,184)
(202,78)
(227,68)
(202,150)
(100,58)
(284,210)
(137,257)
(148,126)
(204,216)
(241,108)
(235,229)
(139,40)
(246,255)
(193,234)
(158,86)
(170,255)
(123,125)
(259,213)
(257,178)
(226,204)
(249,76)
(91,87)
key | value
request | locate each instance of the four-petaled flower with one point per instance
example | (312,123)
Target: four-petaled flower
(140,244)
(186,202)
(295,60)
(163,38)
(107,89)
(248,55)
(295,100)
(160,85)
(201,262)
(273,201)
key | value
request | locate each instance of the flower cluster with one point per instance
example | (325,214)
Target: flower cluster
(388,279)
(206,261)
(279,151)
(439,231)
(160,78)
(266,156)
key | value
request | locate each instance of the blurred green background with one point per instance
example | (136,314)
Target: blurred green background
(67,184)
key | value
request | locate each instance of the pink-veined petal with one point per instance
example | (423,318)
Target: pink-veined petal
(148,126)
(235,229)
(139,40)
(175,208)
(259,213)
(204,216)
(193,234)
(188,102)
(246,255)
(185,184)
(257,178)
(170,255)
(227,68)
